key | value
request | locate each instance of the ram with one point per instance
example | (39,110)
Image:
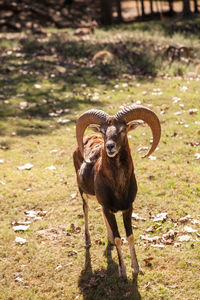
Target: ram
(104,169)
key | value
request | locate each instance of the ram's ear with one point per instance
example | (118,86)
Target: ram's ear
(134,124)
(95,127)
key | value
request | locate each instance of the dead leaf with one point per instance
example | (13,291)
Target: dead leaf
(184,238)
(160,217)
(169,234)
(185,219)
(19,279)
(61,69)
(74,195)
(137,217)
(20,240)
(197,155)
(152,228)
(35,214)
(147,261)
(149,238)
(189,229)
(51,168)
(21,227)
(72,253)
(27,166)
(63,121)
(151,157)
(158,246)
(59,267)
(53,151)
(147,285)
(23,105)
(193,111)
(195,222)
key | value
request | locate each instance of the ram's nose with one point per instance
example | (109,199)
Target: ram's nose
(110,146)
(111,149)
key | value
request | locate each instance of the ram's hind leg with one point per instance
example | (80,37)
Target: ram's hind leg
(85,211)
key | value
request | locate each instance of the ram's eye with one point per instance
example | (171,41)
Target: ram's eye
(122,131)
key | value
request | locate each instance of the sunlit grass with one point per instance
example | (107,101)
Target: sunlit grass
(51,262)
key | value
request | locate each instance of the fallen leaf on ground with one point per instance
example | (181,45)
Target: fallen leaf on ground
(72,253)
(158,246)
(160,217)
(152,228)
(20,240)
(193,111)
(51,168)
(25,167)
(197,155)
(73,196)
(19,279)
(59,267)
(16,223)
(184,238)
(23,105)
(195,222)
(21,227)
(63,121)
(185,219)
(149,238)
(169,234)
(34,214)
(189,229)
(148,260)
(151,157)
(137,217)
(53,151)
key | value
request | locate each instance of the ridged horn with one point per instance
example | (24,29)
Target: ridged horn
(92,116)
(139,112)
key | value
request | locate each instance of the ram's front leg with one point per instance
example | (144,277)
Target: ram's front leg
(113,233)
(85,211)
(129,233)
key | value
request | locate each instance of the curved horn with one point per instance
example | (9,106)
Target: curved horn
(139,112)
(92,116)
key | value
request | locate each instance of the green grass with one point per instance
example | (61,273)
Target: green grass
(53,263)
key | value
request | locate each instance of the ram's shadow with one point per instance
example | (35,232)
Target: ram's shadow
(105,283)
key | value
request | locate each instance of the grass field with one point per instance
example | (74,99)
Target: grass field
(46,82)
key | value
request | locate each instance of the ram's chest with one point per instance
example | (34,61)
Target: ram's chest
(119,182)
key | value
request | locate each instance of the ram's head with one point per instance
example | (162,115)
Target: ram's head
(114,129)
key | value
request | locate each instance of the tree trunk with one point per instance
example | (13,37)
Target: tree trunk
(106,12)
(170,2)
(186,7)
(151,6)
(119,10)
(196,10)
(137,6)
(142,5)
